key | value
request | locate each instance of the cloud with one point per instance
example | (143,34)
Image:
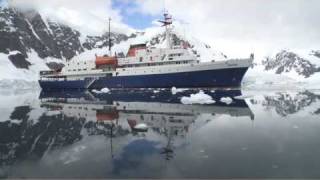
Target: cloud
(90,17)
(240,27)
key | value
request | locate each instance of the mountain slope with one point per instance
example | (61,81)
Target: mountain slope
(286,62)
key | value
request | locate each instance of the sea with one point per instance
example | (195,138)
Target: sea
(152,133)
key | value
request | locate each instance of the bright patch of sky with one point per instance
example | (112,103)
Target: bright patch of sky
(3,3)
(132,16)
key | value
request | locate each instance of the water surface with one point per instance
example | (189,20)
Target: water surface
(86,135)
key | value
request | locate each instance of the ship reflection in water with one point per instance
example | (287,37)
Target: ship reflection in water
(151,134)
(121,113)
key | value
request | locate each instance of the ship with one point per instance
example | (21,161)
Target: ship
(147,67)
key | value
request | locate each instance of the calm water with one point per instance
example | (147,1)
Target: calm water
(85,135)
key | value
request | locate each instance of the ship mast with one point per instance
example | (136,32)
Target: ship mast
(109,35)
(166,23)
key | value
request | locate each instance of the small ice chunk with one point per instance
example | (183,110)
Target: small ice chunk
(174,90)
(199,98)
(242,97)
(105,90)
(156,91)
(141,126)
(96,91)
(226,100)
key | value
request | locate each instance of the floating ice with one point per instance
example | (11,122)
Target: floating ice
(242,97)
(226,100)
(103,90)
(96,91)
(141,127)
(199,98)
(174,90)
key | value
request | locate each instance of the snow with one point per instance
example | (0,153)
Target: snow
(226,100)
(99,43)
(33,31)
(52,113)
(307,54)
(12,77)
(243,97)
(47,25)
(257,78)
(15,52)
(174,90)
(199,98)
(10,99)
(206,54)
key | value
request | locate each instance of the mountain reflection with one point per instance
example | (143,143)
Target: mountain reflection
(290,103)
(69,116)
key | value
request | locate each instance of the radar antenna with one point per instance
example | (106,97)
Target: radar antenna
(166,22)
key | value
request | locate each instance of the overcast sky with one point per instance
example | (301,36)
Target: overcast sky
(236,27)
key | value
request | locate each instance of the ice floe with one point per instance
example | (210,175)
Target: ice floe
(226,100)
(175,90)
(199,98)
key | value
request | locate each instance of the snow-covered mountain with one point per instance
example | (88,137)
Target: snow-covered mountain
(30,43)
(28,40)
(299,69)
(290,62)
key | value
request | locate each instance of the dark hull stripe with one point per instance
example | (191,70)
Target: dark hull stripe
(210,78)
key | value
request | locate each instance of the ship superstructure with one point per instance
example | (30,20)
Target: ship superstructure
(147,67)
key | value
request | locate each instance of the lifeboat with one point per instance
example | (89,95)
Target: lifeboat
(105,61)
